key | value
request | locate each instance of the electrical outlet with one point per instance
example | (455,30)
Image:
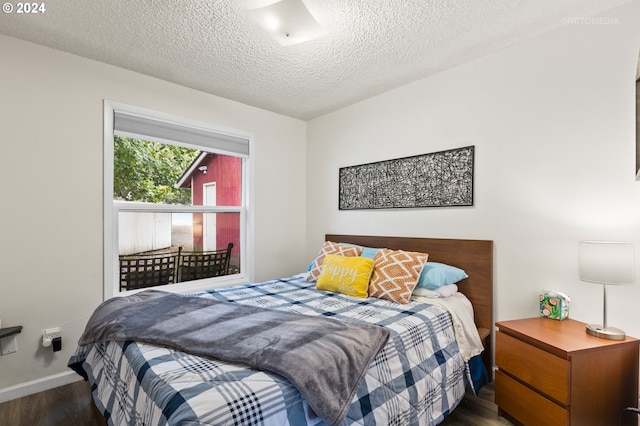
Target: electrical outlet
(49,335)
(52,333)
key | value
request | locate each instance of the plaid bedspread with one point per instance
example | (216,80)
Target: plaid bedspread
(416,379)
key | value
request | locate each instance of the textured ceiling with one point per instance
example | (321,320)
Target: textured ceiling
(371,46)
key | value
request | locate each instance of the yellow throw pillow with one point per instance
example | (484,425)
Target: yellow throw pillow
(329,247)
(346,275)
(396,274)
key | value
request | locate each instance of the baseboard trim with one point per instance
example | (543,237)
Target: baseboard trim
(38,385)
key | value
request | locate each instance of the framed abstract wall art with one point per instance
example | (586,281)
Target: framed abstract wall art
(438,179)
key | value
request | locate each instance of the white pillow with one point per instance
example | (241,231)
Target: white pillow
(444,291)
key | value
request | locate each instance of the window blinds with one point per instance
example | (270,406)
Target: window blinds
(147,128)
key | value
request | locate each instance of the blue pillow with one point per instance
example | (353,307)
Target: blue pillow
(368,252)
(435,275)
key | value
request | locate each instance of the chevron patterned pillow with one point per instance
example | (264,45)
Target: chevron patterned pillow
(396,274)
(330,247)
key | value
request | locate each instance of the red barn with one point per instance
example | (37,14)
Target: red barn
(215,180)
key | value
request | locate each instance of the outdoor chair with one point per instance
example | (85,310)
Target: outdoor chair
(204,264)
(147,270)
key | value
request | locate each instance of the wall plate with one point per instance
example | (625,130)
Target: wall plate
(8,345)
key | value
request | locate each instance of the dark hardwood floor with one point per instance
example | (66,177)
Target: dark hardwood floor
(477,410)
(70,405)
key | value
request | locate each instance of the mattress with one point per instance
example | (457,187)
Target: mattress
(417,378)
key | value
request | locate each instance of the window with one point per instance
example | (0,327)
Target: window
(176,199)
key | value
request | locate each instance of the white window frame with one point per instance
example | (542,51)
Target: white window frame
(111,209)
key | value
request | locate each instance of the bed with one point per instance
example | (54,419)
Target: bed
(414,371)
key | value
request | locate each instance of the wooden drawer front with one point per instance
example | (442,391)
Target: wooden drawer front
(525,405)
(540,370)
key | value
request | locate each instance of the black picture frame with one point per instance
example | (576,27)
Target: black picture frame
(437,179)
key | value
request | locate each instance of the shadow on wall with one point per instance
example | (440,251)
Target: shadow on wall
(638,119)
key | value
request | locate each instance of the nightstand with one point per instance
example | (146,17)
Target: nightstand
(553,373)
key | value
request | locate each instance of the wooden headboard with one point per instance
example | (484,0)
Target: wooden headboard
(474,256)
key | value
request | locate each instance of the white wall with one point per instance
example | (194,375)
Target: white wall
(552,120)
(51,110)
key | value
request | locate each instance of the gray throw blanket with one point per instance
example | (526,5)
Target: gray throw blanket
(324,358)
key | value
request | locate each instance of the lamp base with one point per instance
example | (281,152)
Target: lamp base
(610,333)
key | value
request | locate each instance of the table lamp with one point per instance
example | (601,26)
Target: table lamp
(606,263)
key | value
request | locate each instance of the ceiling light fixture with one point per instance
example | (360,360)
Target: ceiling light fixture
(288,21)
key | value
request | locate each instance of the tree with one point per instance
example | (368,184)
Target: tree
(147,171)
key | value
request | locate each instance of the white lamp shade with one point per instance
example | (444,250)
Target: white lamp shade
(607,262)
